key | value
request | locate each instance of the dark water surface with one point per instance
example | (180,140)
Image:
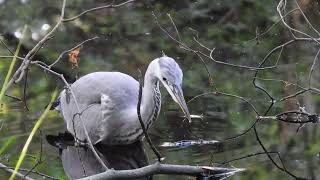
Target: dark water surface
(171,127)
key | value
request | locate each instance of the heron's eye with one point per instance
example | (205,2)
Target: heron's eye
(165,79)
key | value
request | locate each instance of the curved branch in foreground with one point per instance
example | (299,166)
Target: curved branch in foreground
(158,168)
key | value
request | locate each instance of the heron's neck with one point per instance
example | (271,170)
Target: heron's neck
(151,99)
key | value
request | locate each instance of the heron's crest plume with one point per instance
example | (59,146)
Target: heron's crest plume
(170,70)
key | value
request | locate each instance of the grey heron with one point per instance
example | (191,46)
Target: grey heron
(108,102)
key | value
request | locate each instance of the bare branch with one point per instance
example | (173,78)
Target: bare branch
(18,174)
(187,48)
(312,67)
(307,20)
(158,168)
(67,51)
(17,76)
(280,7)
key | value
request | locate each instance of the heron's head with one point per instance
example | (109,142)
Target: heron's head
(170,75)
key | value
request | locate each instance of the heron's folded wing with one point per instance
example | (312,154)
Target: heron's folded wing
(108,117)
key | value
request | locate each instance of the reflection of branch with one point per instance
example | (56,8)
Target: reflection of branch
(97,8)
(158,168)
(218,93)
(311,118)
(247,156)
(283,168)
(312,67)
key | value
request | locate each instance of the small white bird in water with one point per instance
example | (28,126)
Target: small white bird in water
(108,102)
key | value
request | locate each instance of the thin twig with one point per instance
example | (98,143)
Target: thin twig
(27,170)
(22,69)
(247,156)
(187,48)
(73,48)
(97,8)
(274,24)
(281,6)
(7,47)
(13,56)
(312,67)
(10,170)
(175,27)
(25,86)
(307,20)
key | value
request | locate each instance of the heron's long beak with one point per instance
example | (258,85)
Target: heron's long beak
(177,95)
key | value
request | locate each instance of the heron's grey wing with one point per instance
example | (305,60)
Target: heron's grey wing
(121,90)
(91,119)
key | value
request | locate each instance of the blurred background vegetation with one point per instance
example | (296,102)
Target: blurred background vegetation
(129,38)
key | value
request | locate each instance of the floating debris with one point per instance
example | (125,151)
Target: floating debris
(194,116)
(186,143)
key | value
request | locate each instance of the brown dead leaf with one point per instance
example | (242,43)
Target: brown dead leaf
(73,58)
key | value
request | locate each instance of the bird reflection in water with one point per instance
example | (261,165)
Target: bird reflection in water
(79,162)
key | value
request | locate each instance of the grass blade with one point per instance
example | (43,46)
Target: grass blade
(7,144)
(13,62)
